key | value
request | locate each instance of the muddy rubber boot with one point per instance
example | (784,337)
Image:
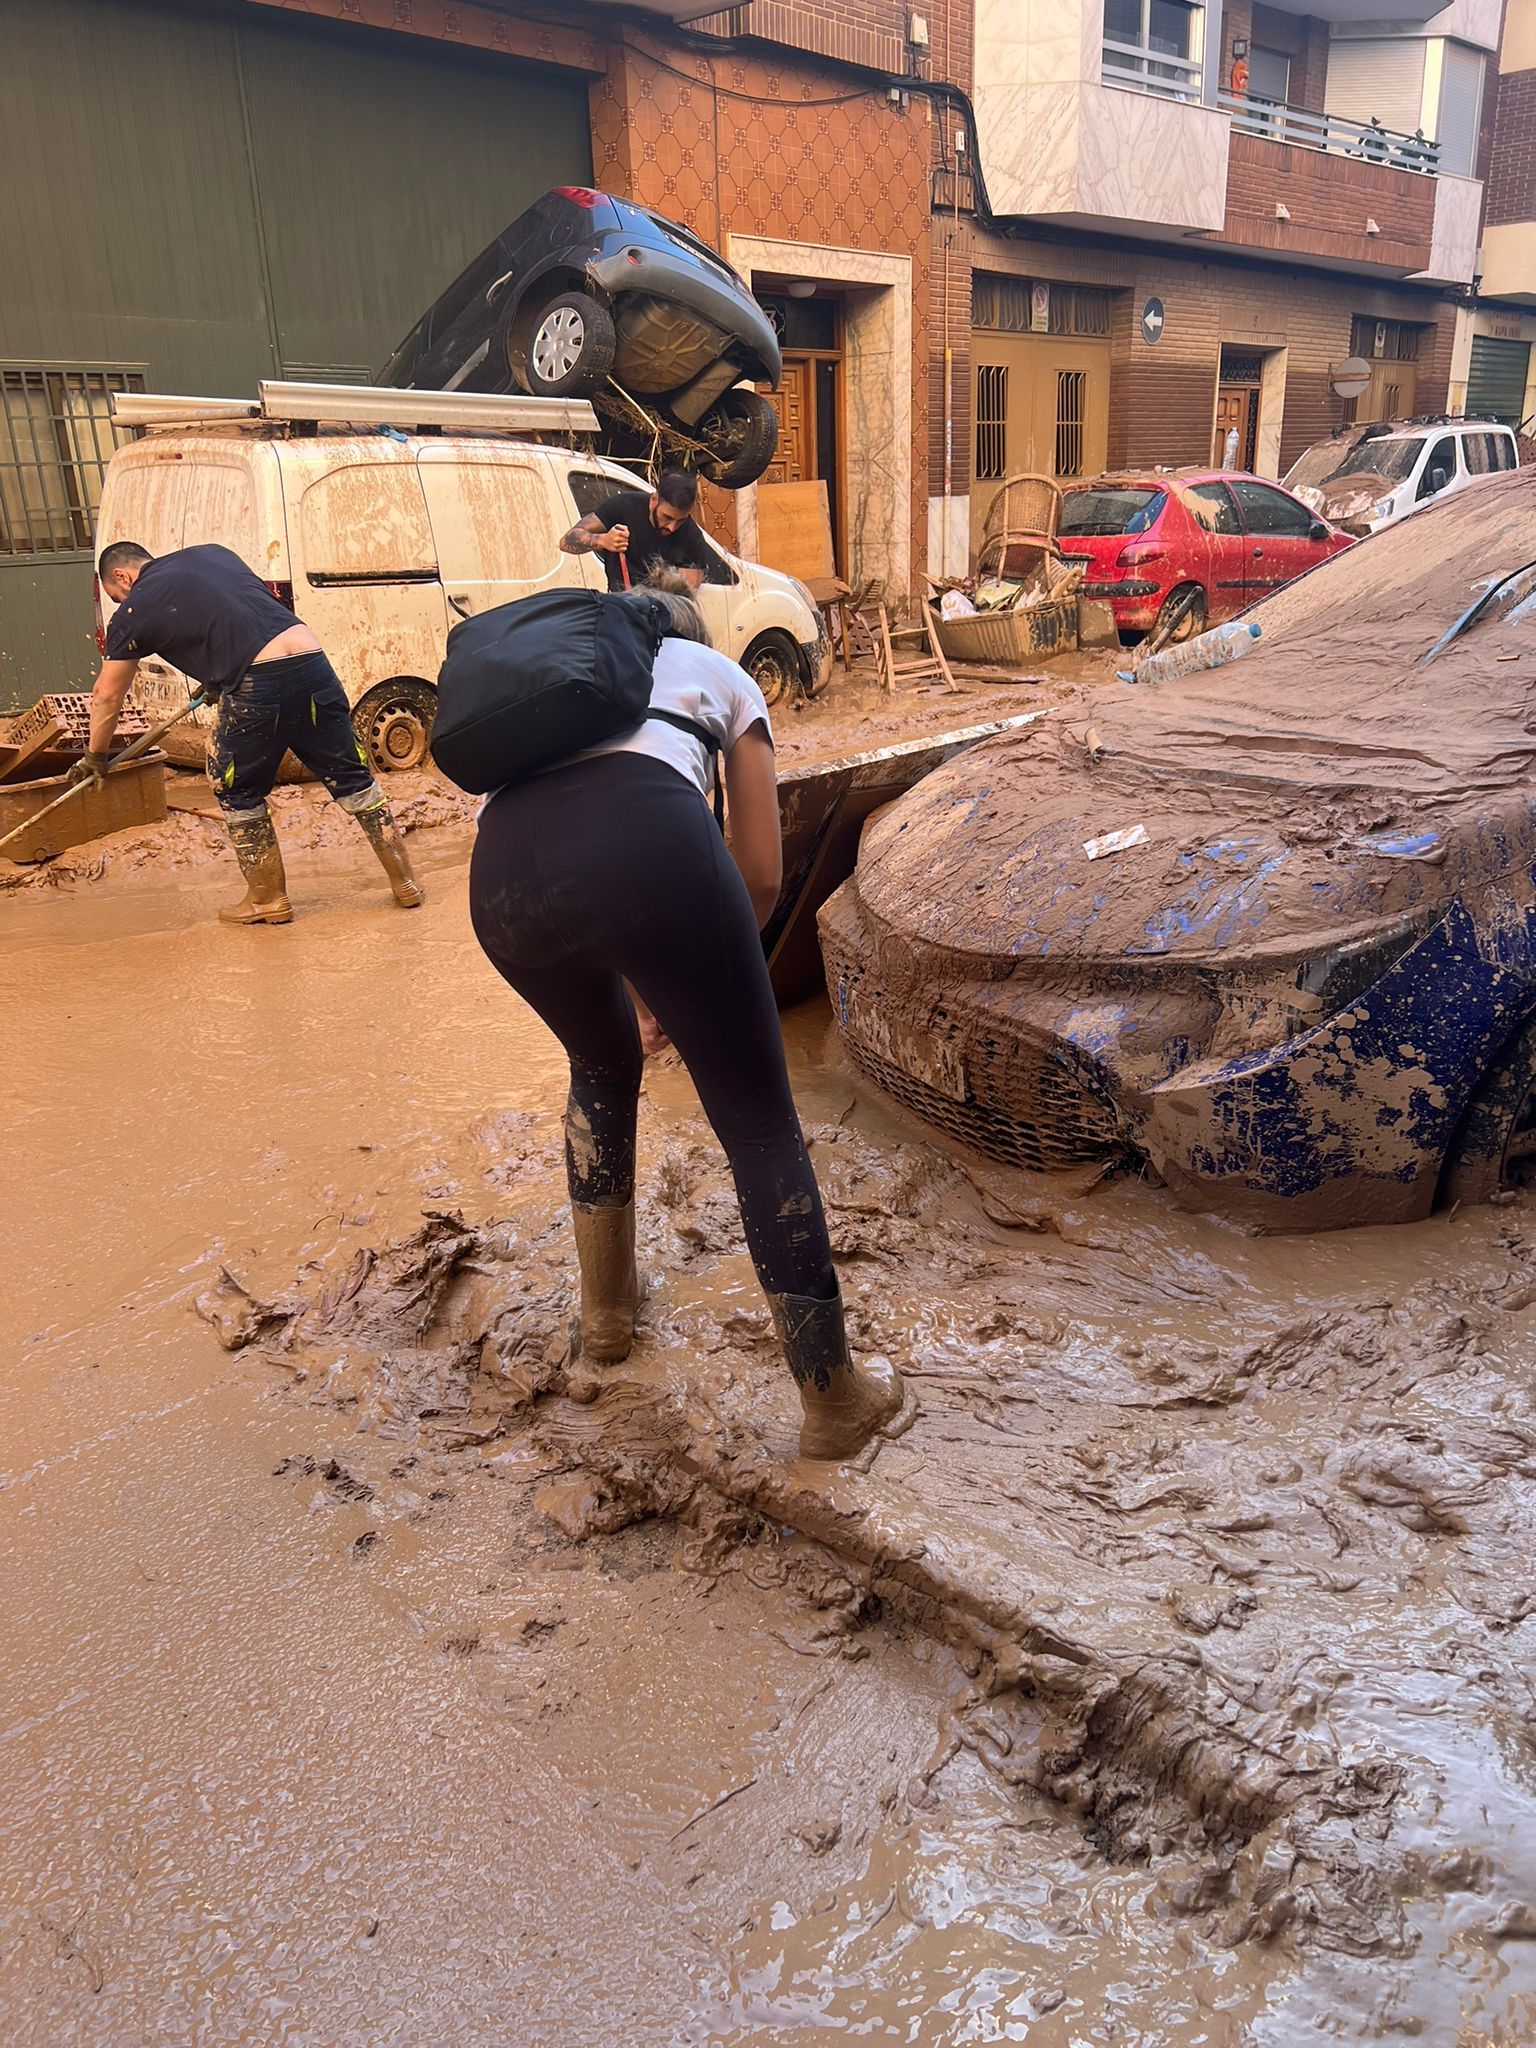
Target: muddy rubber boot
(610,1280)
(384,838)
(844,1403)
(261,862)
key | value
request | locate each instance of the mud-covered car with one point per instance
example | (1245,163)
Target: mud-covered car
(1269,930)
(585,295)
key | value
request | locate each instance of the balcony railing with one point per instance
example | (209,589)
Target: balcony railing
(1153,71)
(1332,133)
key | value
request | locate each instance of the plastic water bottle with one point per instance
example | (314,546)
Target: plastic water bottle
(1207,650)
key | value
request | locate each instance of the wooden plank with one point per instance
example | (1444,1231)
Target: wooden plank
(794,529)
(16,754)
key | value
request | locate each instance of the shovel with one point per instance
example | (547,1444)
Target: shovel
(131,752)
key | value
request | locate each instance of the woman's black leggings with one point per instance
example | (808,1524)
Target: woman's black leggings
(612,869)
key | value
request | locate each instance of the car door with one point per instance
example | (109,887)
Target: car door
(1279,543)
(1226,580)
(1441,472)
(495,525)
(727,614)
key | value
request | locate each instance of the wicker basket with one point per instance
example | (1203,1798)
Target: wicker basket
(1006,637)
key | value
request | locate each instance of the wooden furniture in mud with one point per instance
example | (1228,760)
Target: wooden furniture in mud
(131,795)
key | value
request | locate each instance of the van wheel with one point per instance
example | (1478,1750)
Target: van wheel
(570,347)
(393,723)
(741,433)
(1495,1147)
(773,663)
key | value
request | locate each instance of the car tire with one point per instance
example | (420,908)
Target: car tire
(741,434)
(1495,1144)
(393,723)
(1194,620)
(569,349)
(773,663)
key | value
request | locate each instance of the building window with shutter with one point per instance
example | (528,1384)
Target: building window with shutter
(991,421)
(56,436)
(1071,418)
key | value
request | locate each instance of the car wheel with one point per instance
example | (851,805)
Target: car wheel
(570,347)
(393,723)
(773,663)
(741,433)
(1495,1145)
(1192,598)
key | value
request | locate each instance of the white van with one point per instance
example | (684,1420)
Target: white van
(381,540)
(1365,478)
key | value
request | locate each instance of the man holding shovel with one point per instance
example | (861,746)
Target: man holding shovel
(634,533)
(205,612)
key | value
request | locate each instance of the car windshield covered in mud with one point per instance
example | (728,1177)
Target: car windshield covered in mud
(1304,989)
(585,295)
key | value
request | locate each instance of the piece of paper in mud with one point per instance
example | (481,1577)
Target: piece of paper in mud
(1115,842)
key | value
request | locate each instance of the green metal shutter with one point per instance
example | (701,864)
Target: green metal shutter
(384,163)
(1497,380)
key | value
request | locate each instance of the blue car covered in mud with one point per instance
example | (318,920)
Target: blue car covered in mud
(1299,982)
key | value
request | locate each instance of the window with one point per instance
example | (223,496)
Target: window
(991,421)
(1268,511)
(1153,46)
(1006,305)
(1214,508)
(1479,454)
(1106,509)
(1071,413)
(1394,341)
(1440,468)
(56,435)
(1461,106)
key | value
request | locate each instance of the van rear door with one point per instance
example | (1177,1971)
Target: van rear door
(365,577)
(495,524)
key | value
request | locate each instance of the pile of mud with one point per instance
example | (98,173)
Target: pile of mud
(1234,1535)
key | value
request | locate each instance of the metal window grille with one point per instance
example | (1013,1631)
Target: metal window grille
(1079,309)
(1002,303)
(1399,339)
(992,420)
(56,436)
(1071,416)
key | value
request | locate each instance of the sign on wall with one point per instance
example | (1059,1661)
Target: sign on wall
(1152,321)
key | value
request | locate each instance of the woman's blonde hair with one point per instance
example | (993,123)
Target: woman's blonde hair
(678,596)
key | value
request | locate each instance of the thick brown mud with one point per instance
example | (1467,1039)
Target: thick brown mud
(381,1675)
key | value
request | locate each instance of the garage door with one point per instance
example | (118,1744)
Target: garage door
(384,164)
(1498,377)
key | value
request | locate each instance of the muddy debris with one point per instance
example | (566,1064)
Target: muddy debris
(1235,1547)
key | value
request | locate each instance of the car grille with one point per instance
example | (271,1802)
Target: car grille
(1020,1107)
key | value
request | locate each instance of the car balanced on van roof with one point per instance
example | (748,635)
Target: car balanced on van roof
(587,296)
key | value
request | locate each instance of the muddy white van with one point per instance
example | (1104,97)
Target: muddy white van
(382,536)
(1363,478)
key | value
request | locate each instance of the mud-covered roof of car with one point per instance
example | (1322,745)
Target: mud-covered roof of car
(1331,777)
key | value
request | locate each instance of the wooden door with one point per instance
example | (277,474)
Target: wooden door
(795,404)
(1237,405)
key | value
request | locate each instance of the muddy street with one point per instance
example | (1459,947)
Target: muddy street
(380,1676)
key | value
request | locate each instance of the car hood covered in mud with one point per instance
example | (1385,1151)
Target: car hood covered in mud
(1351,773)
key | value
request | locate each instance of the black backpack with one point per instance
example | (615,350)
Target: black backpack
(533,682)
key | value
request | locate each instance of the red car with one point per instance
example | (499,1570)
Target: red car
(1148,539)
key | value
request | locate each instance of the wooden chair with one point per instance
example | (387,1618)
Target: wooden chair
(897,668)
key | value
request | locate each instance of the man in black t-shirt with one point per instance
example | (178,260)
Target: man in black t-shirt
(205,612)
(634,532)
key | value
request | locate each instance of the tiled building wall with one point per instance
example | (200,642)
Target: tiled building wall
(764,144)
(1162,396)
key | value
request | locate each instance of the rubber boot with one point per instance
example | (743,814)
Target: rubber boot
(610,1280)
(844,1404)
(261,862)
(384,837)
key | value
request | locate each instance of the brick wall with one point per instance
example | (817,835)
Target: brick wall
(868,32)
(1329,199)
(1162,397)
(1511,188)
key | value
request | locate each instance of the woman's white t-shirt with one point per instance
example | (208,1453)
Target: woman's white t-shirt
(701,684)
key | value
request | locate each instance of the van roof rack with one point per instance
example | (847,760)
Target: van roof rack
(361,405)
